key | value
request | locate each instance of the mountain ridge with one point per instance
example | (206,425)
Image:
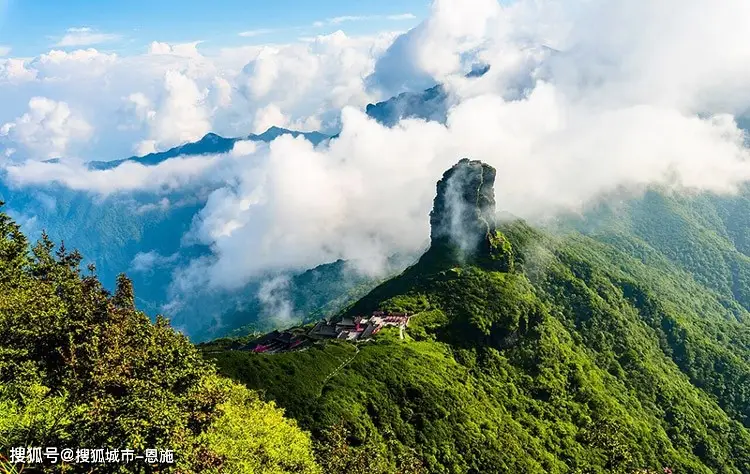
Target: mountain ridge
(210,143)
(113,235)
(587,354)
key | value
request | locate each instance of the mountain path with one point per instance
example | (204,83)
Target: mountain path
(338,369)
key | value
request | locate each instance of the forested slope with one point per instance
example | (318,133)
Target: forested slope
(609,348)
(82,368)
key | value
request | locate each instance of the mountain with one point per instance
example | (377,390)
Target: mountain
(113,231)
(208,145)
(116,231)
(428,105)
(431,104)
(617,341)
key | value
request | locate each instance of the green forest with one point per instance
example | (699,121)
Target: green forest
(612,341)
(82,368)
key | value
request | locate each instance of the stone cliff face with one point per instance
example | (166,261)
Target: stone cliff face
(463,216)
(463,213)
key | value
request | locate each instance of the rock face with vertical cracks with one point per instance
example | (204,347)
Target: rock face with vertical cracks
(462,220)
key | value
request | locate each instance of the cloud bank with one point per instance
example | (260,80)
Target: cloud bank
(184,91)
(84,36)
(47,128)
(580,99)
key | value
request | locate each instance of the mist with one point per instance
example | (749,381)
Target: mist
(582,98)
(277,306)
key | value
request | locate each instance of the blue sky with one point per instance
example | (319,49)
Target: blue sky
(29,27)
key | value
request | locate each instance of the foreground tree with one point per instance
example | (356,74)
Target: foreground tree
(81,368)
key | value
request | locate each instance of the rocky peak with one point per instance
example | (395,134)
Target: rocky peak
(463,215)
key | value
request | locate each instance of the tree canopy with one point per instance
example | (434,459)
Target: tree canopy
(83,368)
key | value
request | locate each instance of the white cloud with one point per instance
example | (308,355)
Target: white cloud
(147,262)
(221,93)
(352,18)
(163,204)
(47,128)
(343,19)
(84,56)
(136,112)
(580,100)
(228,98)
(401,17)
(181,115)
(439,46)
(142,107)
(276,301)
(14,71)
(170,175)
(244,148)
(84,36)
(57,66)
(146,147)
(257,32)
(157,47)
(267,117)
(314,79)
(5,50)
(187,50)
(298,206)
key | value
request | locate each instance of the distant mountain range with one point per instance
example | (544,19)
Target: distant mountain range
(431,104)
(112,231)
(211,143)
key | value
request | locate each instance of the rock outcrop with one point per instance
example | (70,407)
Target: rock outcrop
(463,216)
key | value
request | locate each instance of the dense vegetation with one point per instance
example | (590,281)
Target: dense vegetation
(613,342)
(618,343)
(82,368)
